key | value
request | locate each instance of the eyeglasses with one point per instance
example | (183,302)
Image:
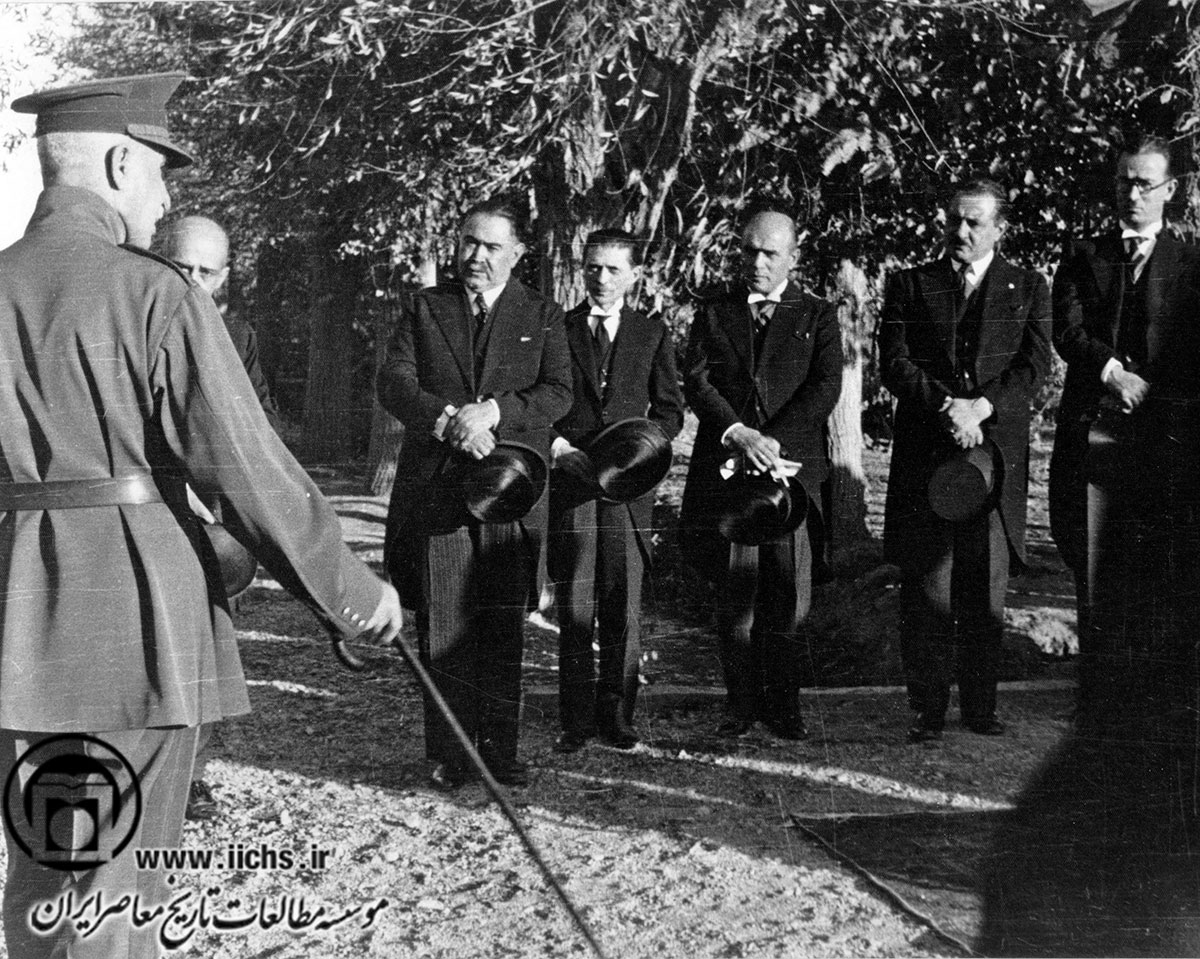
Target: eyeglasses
(206,272)
(1144,187)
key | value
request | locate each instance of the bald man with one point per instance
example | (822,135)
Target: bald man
(199,247)
(763,372)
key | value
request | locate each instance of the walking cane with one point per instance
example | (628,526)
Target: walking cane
(352,662)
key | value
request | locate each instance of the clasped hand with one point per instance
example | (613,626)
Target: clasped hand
(470,429)
(761,450)
(963,419)
(1129,388)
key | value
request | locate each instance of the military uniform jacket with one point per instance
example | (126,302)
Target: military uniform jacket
(787,393)
(917,361)
(642,382)
(430,365)
(113,617)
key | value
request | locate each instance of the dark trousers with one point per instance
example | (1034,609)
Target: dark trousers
(1127,504)
(471,634)
(762,604)
(597,555)
(952,616)
(162,761)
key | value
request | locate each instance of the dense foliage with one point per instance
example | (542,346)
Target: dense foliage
(362,129)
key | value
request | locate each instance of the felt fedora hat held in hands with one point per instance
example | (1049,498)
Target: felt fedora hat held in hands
(500,488)
(630,457)
(754,508)
(966,484)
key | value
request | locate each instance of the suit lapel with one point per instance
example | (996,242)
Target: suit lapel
(505,327)
(631,341)
(939,290)
(738,324)
(1108,273)
(790,318)
(579,338)
(1161,272)
(997,293)
(453,318)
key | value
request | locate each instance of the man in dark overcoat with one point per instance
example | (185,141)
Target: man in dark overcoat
(763,372)
(623,366)
(119,385)
(1123,484)
(964,344)
(471,363)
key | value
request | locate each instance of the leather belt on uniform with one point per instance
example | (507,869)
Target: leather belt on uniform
(80,493)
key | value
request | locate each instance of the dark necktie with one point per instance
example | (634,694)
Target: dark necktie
(763,311)
(601,346)
(481,312)
(1134,245)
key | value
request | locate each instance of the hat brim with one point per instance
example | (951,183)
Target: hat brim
(160,140)
(631,457)
(755,509)
(505,485)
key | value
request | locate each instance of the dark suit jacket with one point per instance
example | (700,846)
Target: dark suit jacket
(787,394)
(642,382)
(430,365)
(1089,293)
(917,362)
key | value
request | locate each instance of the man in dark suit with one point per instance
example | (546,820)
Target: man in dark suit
(623,365)
(470,363)
(763,372)
(1124,465)
(119,386)
(964,344)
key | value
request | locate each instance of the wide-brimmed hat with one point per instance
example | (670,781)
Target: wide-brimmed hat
(966,484)
(755,508)
(631,457)
(500,488)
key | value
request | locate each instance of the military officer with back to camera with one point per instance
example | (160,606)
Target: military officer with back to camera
(1123,472)
(963,346)
(763,372)
(120,385)
(623,364)
(474,363)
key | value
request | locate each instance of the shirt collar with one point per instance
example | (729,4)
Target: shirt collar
(775,296)
(612,313)
(489,296)
(974,271)
(1149,232)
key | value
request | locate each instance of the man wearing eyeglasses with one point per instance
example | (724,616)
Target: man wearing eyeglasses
(1125,321)
(199,247)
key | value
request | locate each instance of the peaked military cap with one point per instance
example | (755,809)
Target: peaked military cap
(135,106)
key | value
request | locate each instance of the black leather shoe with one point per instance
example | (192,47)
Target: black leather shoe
(509,772)
(619,736)
(926,729)
(791,728)
(985,727)
(570,741)
(447,777)
(201,805)
(734,728)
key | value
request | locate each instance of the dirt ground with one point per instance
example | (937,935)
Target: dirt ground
(687,846)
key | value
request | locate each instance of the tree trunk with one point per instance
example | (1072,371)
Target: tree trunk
(848,480)
(329,397)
